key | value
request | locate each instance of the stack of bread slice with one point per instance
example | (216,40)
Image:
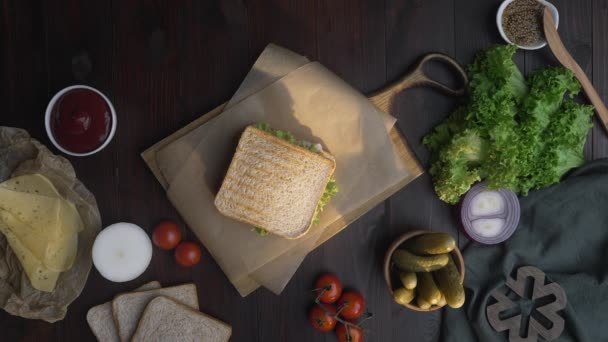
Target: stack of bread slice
(152,313)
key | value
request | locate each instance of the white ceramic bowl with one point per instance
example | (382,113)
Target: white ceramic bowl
(47,121)
(506,3)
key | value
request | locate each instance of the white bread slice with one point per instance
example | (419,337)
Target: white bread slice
(128,308)
(274,184)
(101,321)
(166,320)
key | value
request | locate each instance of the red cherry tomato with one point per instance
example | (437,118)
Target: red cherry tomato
(352,305)
(349,333)
(187,254)
(329,288)
(166,235)
(322,320)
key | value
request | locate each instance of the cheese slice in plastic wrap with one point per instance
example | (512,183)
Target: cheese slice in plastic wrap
(41,278)
(41,227)
(33,184)
(71,222)
(39,212)
(40,187)
(56,250)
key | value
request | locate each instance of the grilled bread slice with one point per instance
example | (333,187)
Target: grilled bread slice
(167,320)
(274,184)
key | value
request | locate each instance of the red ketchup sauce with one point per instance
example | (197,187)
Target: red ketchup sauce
(81,120)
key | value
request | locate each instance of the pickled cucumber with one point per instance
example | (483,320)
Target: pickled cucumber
(403,296)
(448,281)
(409,262)
(423,304)
(441,301)
(434,243)
(408,279)
(427,289)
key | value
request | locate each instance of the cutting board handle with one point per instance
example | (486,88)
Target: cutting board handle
(417,78)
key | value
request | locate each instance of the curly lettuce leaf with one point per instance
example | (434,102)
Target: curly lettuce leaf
(495,90)
(564,141)
(512,133)
(457,165)
(331,189)
(493,71)
(540,118)
(443,133)
(260,231)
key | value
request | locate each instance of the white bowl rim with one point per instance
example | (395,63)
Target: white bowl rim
(501,9)
(47,120)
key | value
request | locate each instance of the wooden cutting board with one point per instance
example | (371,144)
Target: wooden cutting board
(403,150)
(382,99)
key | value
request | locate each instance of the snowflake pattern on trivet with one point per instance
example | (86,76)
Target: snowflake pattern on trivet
(539,290)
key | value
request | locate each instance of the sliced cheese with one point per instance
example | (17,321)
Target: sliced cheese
(32,184)
(27,235)
(55,250)
(63,240)
(68,218)
(37,184)
(41,226)
(40,212)
(41,278)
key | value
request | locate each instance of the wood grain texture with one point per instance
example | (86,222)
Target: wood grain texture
(342,26)
(163,63)
(563,56)
(418,77)
(599,72)
(418,111)
(576,35)
(24,93)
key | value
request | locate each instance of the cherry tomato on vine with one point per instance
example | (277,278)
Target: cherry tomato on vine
(329,288)
(349,333)
(322,320)
(166,235)
(351,304)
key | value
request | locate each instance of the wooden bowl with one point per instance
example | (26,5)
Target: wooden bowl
(456,255)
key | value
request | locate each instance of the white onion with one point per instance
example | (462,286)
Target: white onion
(488,227)
(122,252)
(487,203)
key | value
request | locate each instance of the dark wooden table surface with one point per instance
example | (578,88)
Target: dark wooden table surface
(163,63)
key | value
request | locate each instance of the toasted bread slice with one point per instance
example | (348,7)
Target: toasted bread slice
(101,321)
(167,320)
(273,184)
(128,308)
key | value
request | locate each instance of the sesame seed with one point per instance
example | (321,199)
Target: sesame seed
(522,22)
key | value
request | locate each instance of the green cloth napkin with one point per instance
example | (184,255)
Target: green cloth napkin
(564,232)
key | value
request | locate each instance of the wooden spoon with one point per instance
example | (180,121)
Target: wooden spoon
(562,55)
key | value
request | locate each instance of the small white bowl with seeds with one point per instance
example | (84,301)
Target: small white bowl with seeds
(520,22)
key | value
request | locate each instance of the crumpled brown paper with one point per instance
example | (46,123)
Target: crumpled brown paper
(20,155)
(290,93)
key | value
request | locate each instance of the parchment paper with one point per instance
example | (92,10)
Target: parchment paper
(274,63)
(20,155)
(313,104)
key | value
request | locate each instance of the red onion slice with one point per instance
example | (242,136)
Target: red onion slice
(489,216)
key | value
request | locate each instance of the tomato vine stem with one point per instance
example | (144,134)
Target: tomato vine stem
(347,324)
